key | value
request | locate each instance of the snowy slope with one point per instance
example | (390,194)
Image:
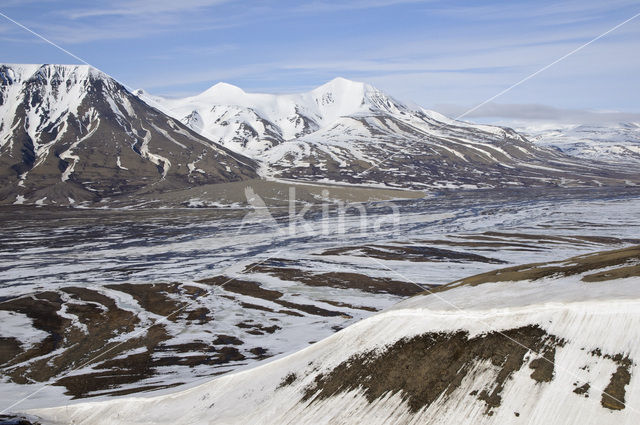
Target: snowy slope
(618,143)
(536,344)
(71,133)
(253,122)
(350,132)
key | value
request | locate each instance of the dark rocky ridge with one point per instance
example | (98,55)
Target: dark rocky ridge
(73,132)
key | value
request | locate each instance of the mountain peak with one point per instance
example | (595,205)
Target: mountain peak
(223,89)
(341,97)
(340,84)
(343,81)
(56,123)
(12,72)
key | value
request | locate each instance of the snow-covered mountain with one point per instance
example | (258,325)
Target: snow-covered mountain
(535,344)
(618,143)
(69,133)
(342,130)
(252,123)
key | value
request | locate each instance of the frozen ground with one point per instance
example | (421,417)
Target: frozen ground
(254,290)
(553,344)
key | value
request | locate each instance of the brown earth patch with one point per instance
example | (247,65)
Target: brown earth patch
(253,289)
(312,309)
(544,365)
(199,314)
(270,310)
(189,347)
(341,280)
(154,297)
(415,253)
(618,273)
(257,328)
(103,321)
(259,352)
(423,368)
(256,307)
(603,240)
(88,295)
(157,298)
(288,380)
(290,313)
(243,287)
(9,348)
(16,420)
(613,396)
(573,266)
(351,306)
(193,291)
(583,390)
(226,340)
(483,244)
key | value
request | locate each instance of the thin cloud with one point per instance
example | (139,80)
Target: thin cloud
(336,6)
(544,113)
(459,58)
(122,29)
(143,8)
(550,13)
(200,51)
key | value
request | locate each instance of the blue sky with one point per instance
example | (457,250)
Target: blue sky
(446,55)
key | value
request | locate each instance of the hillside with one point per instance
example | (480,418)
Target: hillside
(350,132)
(535,344)
(70,134)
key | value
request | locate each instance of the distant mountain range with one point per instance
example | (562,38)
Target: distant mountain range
(71,134)
(351,132)
(613,142)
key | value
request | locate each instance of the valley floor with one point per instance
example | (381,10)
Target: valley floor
(179,296)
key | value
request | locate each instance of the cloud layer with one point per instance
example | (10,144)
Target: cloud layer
(544,113)
(426,51)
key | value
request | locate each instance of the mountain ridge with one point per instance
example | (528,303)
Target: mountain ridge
(350,132)
(71,133)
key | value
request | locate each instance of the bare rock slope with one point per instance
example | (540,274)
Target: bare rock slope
(69,133)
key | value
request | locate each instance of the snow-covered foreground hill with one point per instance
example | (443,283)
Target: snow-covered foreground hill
(535,344)
(350,132)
